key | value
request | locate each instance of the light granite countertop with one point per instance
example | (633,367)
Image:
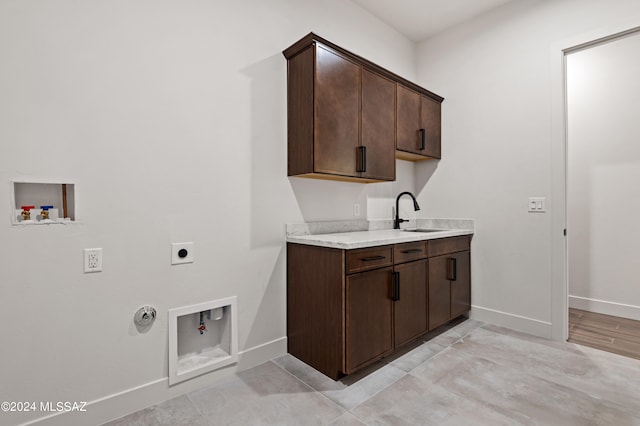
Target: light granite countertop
(331,234)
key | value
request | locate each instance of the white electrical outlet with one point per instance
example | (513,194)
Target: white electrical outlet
(93,260)
(356,210)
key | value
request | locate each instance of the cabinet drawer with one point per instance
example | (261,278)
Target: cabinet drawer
(368,258)
(449,245)
(406,252)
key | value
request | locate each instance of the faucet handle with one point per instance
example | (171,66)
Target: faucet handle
(398,221)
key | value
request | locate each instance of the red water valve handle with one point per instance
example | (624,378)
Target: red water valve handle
(27,208)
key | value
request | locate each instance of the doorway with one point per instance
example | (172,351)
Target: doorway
(603,192)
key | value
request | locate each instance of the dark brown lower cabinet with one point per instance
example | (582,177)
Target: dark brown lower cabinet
(385,309)
(461,285)
(449,287)
(439,292)
(349,308)
(369,332)
(315,307)
(410,308)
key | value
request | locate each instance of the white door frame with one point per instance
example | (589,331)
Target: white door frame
(559,266)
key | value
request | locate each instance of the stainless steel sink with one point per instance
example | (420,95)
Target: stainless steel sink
(424,230)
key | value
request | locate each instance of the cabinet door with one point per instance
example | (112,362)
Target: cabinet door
(439,291)
(369,320)
(378,127)
(410,310)
(336,114)
(430,122)
(460,283)
(408,120)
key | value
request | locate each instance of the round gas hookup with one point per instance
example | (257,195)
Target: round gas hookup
(145,316)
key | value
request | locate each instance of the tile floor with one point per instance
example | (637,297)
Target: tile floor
(471,374)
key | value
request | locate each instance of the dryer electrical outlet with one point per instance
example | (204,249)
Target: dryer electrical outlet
(181,253)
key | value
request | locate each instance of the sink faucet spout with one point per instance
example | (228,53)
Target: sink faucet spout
(416,207)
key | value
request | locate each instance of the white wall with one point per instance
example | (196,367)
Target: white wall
(603,197)
(170,117)
(497,78)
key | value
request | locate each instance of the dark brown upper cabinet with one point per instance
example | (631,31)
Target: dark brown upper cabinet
(336,114)
(377,126)
(342,113)
(418,125)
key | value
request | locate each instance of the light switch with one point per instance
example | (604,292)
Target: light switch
(537,205)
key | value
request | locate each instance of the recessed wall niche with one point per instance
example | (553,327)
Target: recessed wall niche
(43,203)
(202,338)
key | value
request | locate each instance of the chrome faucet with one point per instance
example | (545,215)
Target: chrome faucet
(416,207)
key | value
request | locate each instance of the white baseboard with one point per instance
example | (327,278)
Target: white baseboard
(605,307)
(514,322)
(134,399)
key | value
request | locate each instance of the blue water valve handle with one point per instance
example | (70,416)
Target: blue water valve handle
(46,208)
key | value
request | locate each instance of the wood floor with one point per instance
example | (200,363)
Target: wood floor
(612,334)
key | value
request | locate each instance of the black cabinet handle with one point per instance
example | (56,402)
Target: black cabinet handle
(423,136)
(412,251)
(453,269)
(362,159)
(395,285)
(369,259)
